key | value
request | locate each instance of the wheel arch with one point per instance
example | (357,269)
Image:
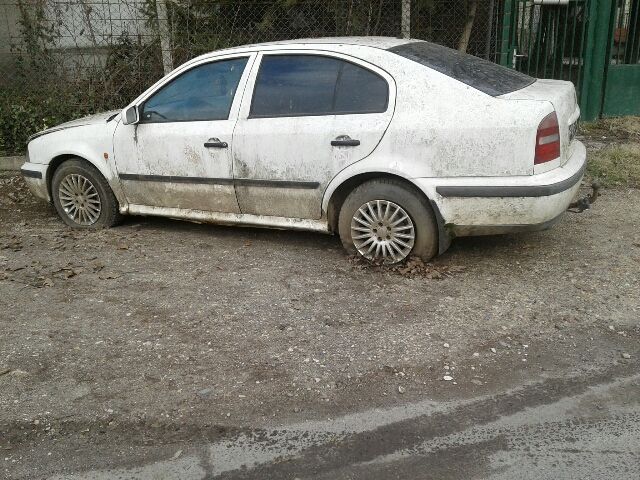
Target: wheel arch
(55,163)
(59,159)
(335,197)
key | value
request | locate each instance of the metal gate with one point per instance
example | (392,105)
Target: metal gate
(593,43)
(622,85)
(547,39)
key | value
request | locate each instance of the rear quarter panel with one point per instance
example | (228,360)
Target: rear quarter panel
(442,128)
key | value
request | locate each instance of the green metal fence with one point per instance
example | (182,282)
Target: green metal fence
(622,84)
(593,43)
(547,41)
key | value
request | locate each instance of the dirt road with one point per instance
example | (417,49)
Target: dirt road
(164,349)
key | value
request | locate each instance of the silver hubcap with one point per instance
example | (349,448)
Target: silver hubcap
(382,230)
(79,199)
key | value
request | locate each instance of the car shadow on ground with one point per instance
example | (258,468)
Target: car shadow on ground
(242,233)
(509,244)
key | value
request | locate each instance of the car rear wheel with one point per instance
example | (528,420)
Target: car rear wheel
(386,221)
(82,197)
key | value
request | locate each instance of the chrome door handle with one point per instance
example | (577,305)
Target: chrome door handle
(344,141)
(215,143)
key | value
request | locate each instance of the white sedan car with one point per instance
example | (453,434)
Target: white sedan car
(396,145)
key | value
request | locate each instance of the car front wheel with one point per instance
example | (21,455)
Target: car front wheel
(82,197)
(386,221)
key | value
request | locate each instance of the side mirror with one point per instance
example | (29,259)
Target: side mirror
(131,115)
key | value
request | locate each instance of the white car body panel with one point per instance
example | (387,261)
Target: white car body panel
(562,96)
(89,138)
(436,133)
(477,215)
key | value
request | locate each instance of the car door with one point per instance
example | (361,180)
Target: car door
(310,115)
(179,153)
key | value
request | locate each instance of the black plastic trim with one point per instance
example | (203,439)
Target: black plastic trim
(175,179)
(241,182)
(444,236)
(250,182)
(345,143)
(216,144)
(511,190)
(31,173)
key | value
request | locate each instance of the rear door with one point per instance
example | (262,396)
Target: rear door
(307,115)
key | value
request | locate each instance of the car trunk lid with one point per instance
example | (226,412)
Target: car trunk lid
(562,95)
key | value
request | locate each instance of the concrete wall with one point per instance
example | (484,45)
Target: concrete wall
(9,33)
(84,29)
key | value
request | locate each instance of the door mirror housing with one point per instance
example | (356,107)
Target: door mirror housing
(131,115)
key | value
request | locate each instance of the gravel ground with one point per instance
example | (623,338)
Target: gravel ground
(129,346)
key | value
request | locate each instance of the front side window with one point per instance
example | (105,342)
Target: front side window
(297,85)
(203,93)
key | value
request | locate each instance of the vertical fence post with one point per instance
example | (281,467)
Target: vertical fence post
(487,46)
(405,21)
(596,51)
(505,40)
(163,31)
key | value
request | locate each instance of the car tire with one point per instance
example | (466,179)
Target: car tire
(380,198)
(82,197)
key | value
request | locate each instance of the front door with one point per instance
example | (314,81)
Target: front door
(179,154)
(310,116)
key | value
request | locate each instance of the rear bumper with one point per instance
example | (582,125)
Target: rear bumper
(490,205)
(35,176)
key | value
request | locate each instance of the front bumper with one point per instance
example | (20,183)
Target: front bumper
(490,205)
(35,176)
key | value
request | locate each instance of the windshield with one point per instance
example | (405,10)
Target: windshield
(483,75)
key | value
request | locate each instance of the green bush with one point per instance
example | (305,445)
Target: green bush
(34,103)
(23,113)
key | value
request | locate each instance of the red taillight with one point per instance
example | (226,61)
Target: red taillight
(547,139)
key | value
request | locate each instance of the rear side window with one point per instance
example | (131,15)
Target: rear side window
(360,90)
(203,93)
(483,75)
(299,85)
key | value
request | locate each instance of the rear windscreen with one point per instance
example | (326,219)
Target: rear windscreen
(483,75)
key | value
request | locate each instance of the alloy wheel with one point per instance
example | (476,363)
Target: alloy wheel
(382,231)
(79,199)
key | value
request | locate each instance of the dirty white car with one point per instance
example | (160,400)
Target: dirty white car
(396,145)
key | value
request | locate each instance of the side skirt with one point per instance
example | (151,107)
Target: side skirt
(243,219)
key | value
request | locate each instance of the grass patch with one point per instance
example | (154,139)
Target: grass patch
(621,128)
(617,164)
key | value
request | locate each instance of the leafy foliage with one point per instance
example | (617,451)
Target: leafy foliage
(23,113)
(50,84)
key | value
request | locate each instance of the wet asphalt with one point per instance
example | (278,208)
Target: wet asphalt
(585,427)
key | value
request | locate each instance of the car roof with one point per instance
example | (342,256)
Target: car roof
(377,42)
(374,42)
